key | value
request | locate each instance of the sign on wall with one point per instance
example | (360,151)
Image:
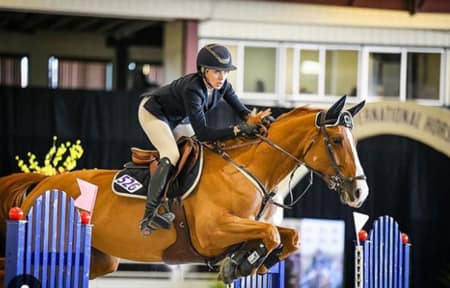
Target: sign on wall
(429,125)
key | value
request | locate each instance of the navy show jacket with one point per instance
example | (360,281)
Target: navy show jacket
(186,97)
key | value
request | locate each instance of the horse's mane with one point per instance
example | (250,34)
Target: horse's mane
(299,111)
(296,112)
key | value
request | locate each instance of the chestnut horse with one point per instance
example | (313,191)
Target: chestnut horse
(222,210)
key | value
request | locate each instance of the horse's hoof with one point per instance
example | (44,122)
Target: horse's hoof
(227,272)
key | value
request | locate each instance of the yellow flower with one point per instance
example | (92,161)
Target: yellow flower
(53,157)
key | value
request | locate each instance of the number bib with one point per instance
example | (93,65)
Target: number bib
(127,182)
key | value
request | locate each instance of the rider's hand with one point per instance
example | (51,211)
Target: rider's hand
(245,129)
(261,117)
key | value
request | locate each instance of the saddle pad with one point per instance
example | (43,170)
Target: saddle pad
(132,181)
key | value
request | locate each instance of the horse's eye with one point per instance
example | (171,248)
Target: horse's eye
(337,140)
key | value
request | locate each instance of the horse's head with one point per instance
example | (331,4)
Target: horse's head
(332,153)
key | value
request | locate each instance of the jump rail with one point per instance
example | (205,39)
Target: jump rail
(273,279)
(51,248)
(382,260)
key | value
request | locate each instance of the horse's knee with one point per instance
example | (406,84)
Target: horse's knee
(291,242)
(102,264)
(272,237)
(295,238)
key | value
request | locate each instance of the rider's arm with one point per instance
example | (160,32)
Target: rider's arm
(194,101)
(232,99)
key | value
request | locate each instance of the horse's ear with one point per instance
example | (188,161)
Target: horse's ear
(334,111)
(355,109)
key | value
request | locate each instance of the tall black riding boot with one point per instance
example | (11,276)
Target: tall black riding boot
(152,220)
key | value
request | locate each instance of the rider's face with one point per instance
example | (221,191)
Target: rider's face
(216,78)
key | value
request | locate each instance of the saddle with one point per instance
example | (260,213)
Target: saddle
(179,186)
(189,154)
(134,178)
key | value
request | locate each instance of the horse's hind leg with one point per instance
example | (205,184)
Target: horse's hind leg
(102,263)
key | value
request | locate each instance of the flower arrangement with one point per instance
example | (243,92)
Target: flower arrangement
(53,162)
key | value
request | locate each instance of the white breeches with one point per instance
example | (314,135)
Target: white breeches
(159,134)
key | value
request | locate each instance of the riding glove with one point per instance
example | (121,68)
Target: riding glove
(266,121)
(246,130)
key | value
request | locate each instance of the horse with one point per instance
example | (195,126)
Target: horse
(226,207)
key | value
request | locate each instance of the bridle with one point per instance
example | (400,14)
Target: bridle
(337,181)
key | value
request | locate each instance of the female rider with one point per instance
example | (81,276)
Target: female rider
(190,96)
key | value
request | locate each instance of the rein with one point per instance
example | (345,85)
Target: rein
(336,181)
(267,196)
(300,163)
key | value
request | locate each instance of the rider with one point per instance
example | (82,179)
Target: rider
(190,96)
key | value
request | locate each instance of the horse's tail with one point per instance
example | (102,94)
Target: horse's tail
(12,191)
(14,186)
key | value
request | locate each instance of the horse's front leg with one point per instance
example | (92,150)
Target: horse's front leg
(289,244)
(230,230)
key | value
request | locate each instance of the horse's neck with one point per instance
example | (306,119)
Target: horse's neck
(270,165)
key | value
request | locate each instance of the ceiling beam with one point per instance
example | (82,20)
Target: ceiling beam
(34,20)
(129,29)
(110,25)
(62,21)
(86,23)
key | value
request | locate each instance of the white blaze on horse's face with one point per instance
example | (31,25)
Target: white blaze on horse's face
(361,188)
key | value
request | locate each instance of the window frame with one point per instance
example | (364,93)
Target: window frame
(441,51)
(281,98)
(365,71)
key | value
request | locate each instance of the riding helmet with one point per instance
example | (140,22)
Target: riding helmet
(215,56)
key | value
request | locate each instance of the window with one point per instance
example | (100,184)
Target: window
(384,74)
(79,74)
(259,69)
(14,70)
(341,72)
(423,76)
(289,74)
(309,72)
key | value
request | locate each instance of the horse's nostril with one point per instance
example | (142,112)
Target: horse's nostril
(357,193)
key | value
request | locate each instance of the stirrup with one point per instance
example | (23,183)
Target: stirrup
(164,221)
(150,224)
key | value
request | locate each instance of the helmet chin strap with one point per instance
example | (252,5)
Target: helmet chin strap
(208,84)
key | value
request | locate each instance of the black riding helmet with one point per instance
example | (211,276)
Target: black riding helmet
(214,56)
